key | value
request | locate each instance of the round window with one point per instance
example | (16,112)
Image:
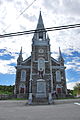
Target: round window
(41,50)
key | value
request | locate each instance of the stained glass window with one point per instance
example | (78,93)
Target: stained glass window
(23,75)
(58,76)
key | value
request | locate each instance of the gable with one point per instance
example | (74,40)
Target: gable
(54,62)
(27,62)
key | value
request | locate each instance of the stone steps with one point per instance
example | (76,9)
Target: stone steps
(40,101)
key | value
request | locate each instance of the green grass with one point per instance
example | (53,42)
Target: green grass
(5,92)
(18,99)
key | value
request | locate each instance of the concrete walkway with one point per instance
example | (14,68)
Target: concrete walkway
(14,103)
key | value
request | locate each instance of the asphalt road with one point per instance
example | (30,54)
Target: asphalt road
(13,111)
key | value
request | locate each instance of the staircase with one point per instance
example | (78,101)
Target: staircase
(40,101)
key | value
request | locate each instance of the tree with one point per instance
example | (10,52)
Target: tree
(77,89)
(6,89)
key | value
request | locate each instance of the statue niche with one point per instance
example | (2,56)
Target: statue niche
(41,67)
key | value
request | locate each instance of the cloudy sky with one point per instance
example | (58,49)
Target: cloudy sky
(20,15)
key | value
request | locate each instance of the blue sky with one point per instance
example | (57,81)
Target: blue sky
(54,13)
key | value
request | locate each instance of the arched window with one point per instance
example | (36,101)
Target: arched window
(41,64)
(23,75)
(58,76)
(41,34)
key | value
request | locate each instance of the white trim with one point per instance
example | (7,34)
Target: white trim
(26,60)
(58,67)
(23,75)
(54,60)
(58,76)
(42,43)
(41,67)
(40,80)
(23,66)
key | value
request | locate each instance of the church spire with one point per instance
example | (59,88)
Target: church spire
(60,58)
(20,58)
(40,36)
(60,54)
(20,52)
(40,24)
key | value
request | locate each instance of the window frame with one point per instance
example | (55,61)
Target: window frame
(23,78)
(58,76)
(43,66)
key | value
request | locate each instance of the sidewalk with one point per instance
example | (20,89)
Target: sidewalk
(66,101)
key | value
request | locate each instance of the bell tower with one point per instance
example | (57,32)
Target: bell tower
(40,77)
(41,71)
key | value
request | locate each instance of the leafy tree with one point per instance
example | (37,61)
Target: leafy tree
(77,89)
(6,89)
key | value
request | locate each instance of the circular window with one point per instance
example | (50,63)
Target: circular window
(41,50)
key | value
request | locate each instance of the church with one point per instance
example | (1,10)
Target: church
(40,76)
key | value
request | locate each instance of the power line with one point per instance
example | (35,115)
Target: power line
(26,8)
(20,14)
(40,30)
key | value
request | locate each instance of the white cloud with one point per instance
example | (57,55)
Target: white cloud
(68,7)
(70,85)
(54,13)
(74,64)
(5,68)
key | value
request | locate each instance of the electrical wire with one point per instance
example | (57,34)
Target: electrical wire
(21,14)
(26,8)
(40,30)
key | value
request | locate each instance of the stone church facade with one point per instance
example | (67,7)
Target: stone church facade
(40,75)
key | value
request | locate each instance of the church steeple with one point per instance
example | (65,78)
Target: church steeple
(40,36)
(20,58)
(20,52)
(60,54)
(40,24)
(60,58)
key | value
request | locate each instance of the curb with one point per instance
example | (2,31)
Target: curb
(66,101)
